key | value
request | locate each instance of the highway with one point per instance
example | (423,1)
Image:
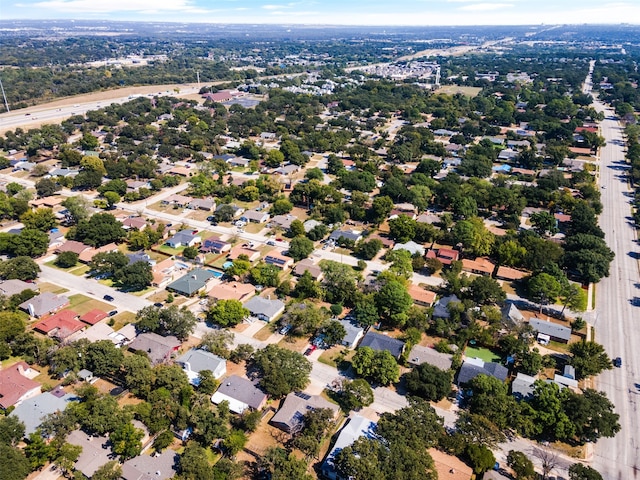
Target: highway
(616,320)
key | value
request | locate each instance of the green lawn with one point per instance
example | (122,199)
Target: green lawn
(482,353)
(51,288)
(82,304)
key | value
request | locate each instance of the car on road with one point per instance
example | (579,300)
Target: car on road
(108,298)
(617,362)
(271,243)
(310,350)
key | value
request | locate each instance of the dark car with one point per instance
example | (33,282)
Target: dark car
(108,298)
(617,362)
(113,312)
(157,304)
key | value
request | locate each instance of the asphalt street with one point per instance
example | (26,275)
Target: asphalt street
(616,318)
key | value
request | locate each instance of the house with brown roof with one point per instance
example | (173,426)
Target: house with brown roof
(421,296)
(72,246)
(444,255)
(13,287)
(232,291)
(60,325)
(137,223)
(241,249)
(158,348)
(510,274)
(450,467)
(479,266)
(307,265)
(93,316)
(277,259)
(16,384)
(87,255)
(163,272)
(177,199)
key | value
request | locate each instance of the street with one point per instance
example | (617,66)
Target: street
(616,320)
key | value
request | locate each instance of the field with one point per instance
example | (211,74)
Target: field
(453,89)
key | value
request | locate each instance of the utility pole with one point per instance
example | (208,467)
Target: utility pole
(6,104)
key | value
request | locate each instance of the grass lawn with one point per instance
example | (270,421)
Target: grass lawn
(482,353)
(254,227)
(123,318)
(82,304)
(79,271)
(333,356)
(142,292)
(51,288)
(265,332)
(453,89)
(167,250)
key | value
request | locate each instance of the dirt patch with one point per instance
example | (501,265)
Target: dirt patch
(294,343)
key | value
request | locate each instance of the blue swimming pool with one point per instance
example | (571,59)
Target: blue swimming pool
(216,273)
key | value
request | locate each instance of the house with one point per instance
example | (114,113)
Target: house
(310,225)
(421,296)
(378,342)
(307,265)
(282,221)
(241,394)
(254,216)
(33,411)
(275,258)
(565,382)
(522,386)
(268,136)
(419,355)
(450,467)
(16,384)
(221,96)
(158,348)
(206,204)
(14,287)
(87,255)
(357,427)
(290,415)
(264,309)
(237,211)
(195,361)
(163,272)
(134,223)
(354,333)
(441,309)
(472,367)
(412,247)
(510,274)
(96,451)
(62,172)
(214,245)
(136,185)
(99,332)
(56,237)
(554,331)
(184,238)
(72,246)
(479,266)
(85,375)
(232,291)
(192,282)
(140,257)
(177,200)
(353,235)
(242,249)
(239,162)
(444,255)
(44,304)
(60,325)
(287,169)
(511,316)
(429,218)
(147,467)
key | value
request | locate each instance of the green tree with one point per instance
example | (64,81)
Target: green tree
(282,371)
(368,249)
(127,441)
(11,430)
(478,429)
(66,456)
(67,259)
(235,442)
(217,342)
(22,268)
(281,206)
(296,229)
(589,358)
(46,187)
(227,313)
(103,357)
(380,209)
(307,287)
(78,208)
(544,223)
(99,230)
(300,247)
(39,219)
(355,394)
(109,471)
(543,288)
(112,198)
(134,277)
(14,465)
(304,317)
(486,290)
(37,450)
(393,302)
(172,320)
(333,332)
(593,416)
(474,236)
(428,382)
(314,427)
(402,229)
(278,464)
(379,366)
(265,274)
(521,465)
(193,464)
(577,471)
(481,458)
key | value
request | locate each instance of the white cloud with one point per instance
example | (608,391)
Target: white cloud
(114,6)
(485,7)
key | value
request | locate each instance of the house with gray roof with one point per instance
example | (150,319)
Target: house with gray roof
(241,394)
(511,315)
(294,407)
(147,467)
(44,304)
(32,411)
(419,355)
(353,235)
(195,361)
(13,287)
(191,283)
(206,204)
(158,348)
(184,238)
(282,221)
(440,309)
(564,382)
(140,257)
(265,309)
(522,386)
(555,331)
(472,367)
(378,342)
(353,335)
(310,224)
(96,451)
(255,216)
(357,427)
(411,247)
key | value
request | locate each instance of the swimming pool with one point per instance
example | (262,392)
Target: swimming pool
(216,273)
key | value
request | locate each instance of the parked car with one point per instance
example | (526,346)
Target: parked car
(271,243)
(157,304)
(617,362)
(113,312)
(310,350)
(284,329)
(108,298)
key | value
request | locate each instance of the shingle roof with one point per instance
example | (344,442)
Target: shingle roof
(420,355)
(522,386)
(295,406)
(259,305)
(13,384)
(440,309)
(550,328)
(191,282)
(379,342)
(157,347)
(473,367)
(146,467)
(242,390)
(200,360)
(32,411)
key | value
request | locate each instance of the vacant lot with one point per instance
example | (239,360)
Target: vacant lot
(453,89)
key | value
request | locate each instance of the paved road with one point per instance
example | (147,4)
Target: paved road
(617,319)
(92,288)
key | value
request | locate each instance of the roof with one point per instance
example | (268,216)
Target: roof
(256,216)
(264,306)
(283,221)
(96,451)
(44,303)
(440,309)
(419,355)
(275,257)
(296,405)
(232,291)
(14,384)
(379,342)
(472,367)
(13,287)
(93,316)
(134,222)
(32,411)
(72,246)
(411,246)
(196,360)
(421,295)
(146,467)
(95,333)
(61,324)
(87,255)
(157,347)
(508,273)
(239,391)
(214,243)
(510,312)
(191,282)
(347,234)
(357,427)
(550,328)
(184,236)
(480,264)
(450,467)
(353,332)
(307,265)
(522,386)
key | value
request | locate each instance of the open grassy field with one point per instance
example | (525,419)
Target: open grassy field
(453,89)
(482,353)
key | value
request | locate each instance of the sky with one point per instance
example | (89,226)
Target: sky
(333,12)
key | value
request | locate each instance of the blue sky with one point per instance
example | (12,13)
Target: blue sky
(341,12)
